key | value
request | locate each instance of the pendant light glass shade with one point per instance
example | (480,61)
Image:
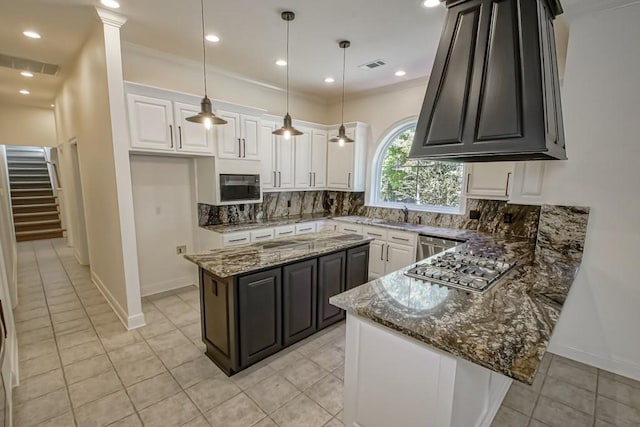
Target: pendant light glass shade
(287,130)
(205,116)
(342,137)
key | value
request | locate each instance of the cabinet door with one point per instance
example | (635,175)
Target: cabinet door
(302,147)
(331,281)
(215,314)
(377,260)
(250,134)
(229,140)
(528,178)
(319,159)
(259,315)
(399,256)
(193,138)
(268,152)
(357,267)
(340,163)
(151,123)
(489,180)
(285,162)
(299,293)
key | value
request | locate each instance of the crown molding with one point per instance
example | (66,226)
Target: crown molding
(589,8)
(110,18)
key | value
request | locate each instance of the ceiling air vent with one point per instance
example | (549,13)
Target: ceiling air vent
(373,64)
(28,65)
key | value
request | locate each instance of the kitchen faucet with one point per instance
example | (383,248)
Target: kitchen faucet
(405,214)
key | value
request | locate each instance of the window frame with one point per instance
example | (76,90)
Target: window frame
(375,199)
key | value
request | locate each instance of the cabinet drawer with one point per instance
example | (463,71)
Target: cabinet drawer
(261,235)
(377,233)
(402,238)
(350,228)
(306,228)
(285,230)
(325,226)
(235,239)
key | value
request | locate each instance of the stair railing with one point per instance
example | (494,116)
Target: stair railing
(52,167)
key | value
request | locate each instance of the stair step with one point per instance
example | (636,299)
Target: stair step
(28,192)
(32,200)
(28,169)
(30,184)
(30,178)
(37,225)
(35,216)
(24,236)
(35,208)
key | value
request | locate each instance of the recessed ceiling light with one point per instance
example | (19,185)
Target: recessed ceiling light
(31,34)
(25,92)
(26,73)
(212,38)
(431,3)
(112,4)
(281,63)
(52,105)
(329,80)
(401,73)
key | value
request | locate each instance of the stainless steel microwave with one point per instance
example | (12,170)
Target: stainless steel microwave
(239,187)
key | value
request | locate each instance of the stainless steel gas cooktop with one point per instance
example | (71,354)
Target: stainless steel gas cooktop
(462,270)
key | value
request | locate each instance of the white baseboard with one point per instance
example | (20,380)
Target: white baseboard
(625,368)
(167,285)
(129,322)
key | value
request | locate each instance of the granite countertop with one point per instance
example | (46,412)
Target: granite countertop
(445,233)
(262,223)
(506,330)
(232,261)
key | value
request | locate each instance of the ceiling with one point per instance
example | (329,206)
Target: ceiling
(401,32)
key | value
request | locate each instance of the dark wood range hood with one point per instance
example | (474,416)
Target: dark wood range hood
(494,92)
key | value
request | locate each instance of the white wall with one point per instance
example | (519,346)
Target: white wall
(145,66)
(165,212)
(23,125)
(601,97)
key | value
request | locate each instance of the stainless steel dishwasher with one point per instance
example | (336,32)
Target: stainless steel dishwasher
(429,246)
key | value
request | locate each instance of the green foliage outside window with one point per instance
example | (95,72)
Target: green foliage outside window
(418,182)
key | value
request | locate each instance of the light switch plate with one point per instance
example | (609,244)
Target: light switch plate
(181,249)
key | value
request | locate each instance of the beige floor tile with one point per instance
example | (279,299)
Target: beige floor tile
(105,318)
(98,308)
(73,339)
(252,375)
(39,365)
(521,398)
(266,422)
(536,423)
(104,411)
(301,412)
(598,423)
(210,393)
(72,326)
(131,421)
(628,381)
(272,393)
(194,371)
(573,373)
(23,315)
(87,368)
(179,355)
(156,327)
(556,414)
(617,413)
(37,386)
(509,418)
(570,395)
(284,359)
(68,315)
(240,411)
(64,307)
(33,324)
(172,412)
(328,393)
(80,352)
(153,390)
(41,409)
(36,349)
(133,352)
(94,388)
(117,340)
(193,331)
(329,357)
(134,371)
(303,373)
(197,422)
(334,422)
(623,392)
(64,420)
(339,372)
(168,340)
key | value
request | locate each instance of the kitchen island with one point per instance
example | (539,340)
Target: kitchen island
(422,354)
(259,298)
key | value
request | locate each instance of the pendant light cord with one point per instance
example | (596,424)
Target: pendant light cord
(204,49)
(288,23)
(344,67)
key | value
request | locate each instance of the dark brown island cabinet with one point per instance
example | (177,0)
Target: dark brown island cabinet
(247,318)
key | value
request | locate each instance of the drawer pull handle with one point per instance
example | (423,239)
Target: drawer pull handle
(284,233)
(262,237)
(306,229)
(244,239)
(374,234)
(399,238)
(351,230)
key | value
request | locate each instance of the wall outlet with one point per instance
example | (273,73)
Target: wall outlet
(508,218)
(474,214)
(288,203)
(241,207)
(181,249)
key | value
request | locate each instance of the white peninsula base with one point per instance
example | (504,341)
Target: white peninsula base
(392,380)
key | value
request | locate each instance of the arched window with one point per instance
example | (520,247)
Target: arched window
(418,184)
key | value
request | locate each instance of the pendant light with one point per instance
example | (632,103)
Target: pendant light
(205,116)
(342,137)
(287,130)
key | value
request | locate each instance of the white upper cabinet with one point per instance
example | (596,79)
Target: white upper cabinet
(346,164)
(302,148)
(192,137)
(151,123)
(311,159)
(490,180)
(527,183)
(240,137)
(286,161)
(319,158)
(277,158)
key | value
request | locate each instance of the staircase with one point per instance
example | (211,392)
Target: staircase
(35,208)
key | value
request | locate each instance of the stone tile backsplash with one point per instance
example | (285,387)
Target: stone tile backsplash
(523,218)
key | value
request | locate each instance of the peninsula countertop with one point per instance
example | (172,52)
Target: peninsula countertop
(507,329)
(233,261)
(263,223)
